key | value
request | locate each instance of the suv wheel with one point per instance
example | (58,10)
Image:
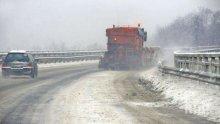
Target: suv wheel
(5,75)
(33,74)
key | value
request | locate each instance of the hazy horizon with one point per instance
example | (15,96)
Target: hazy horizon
(25,24)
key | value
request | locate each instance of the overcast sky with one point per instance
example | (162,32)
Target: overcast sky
(27,23)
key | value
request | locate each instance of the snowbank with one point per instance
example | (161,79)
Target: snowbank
(193,96)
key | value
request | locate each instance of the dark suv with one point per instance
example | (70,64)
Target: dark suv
(19,63)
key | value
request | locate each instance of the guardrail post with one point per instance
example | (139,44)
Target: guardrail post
(190,63)
(212,65)
(195,64)
(200,64)
(176,63)
(218,65)
(206,64)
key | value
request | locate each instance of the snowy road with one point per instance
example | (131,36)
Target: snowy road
(80,93)
(22,100)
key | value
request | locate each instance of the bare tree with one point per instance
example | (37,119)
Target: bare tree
(201,28)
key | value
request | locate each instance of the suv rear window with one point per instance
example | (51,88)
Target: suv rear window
(21,57)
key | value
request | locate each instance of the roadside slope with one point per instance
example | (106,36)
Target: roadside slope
(192,96)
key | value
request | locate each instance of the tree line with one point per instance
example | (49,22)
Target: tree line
(200,28)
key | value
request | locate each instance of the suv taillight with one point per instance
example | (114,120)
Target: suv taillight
(30,64)
(4,65)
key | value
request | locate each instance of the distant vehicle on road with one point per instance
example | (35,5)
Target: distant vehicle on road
(19,63)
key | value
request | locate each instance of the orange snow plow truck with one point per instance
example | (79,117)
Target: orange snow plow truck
(125,49)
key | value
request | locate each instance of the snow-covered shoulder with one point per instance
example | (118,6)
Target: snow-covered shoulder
(193,96)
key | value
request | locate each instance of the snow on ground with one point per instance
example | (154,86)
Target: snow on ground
(91,99)
(193,96)
(63,64)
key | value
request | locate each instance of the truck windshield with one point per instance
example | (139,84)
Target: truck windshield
(21,57)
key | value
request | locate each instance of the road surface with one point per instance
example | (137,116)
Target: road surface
(22,98)
(85,94)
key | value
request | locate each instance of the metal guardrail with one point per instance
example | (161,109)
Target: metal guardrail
(202,62)
(197,65)
(67,59)
(205,77)
(60,53)
(62,56)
